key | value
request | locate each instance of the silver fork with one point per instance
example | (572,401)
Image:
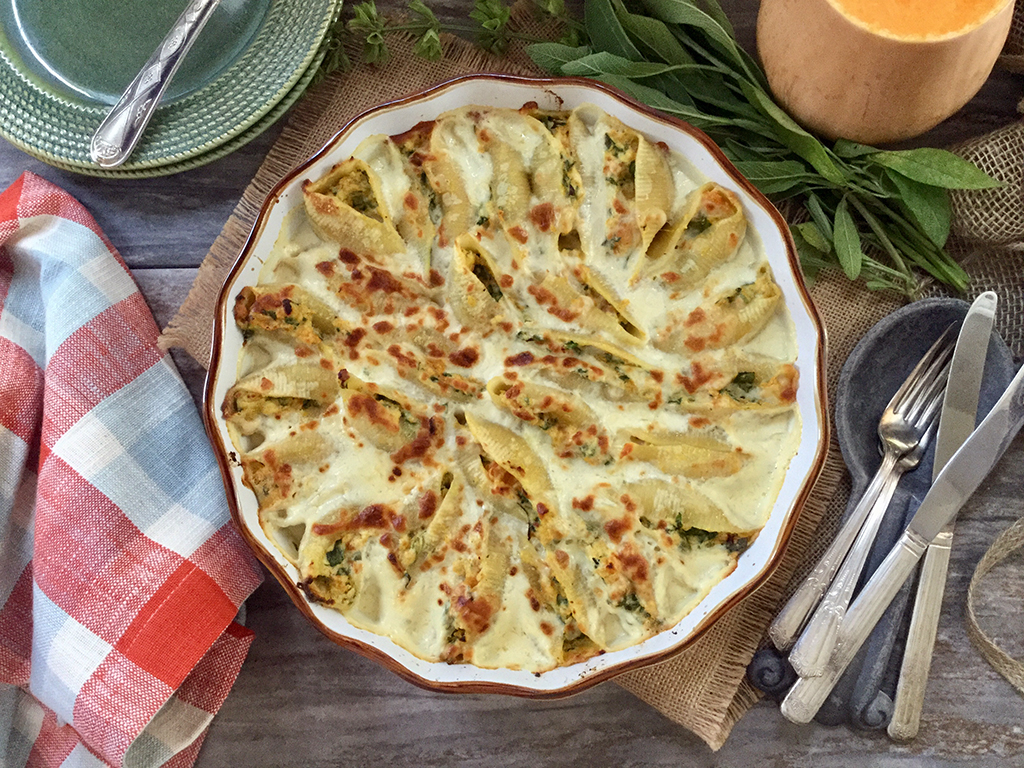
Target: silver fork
(900,430)
(811,652)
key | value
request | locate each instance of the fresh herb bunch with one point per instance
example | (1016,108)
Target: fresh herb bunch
(423,24)
(492,31)
(878,214)
(334,53)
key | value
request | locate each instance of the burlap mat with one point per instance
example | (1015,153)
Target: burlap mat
(1012,57)
(702,688)
(988,225)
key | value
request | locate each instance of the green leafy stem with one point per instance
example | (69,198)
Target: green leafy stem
(491,28)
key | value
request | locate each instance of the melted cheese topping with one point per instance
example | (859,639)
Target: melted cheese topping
(542,427)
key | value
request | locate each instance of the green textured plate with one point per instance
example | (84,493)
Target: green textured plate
(217,152)
(52,98)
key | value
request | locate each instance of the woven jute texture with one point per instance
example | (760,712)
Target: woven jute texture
(994,217)
(988,225)
(1012,57)
(703,688)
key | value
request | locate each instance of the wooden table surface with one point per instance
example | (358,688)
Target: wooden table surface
(302,701)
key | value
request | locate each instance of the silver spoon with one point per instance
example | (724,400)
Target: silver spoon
(124,125)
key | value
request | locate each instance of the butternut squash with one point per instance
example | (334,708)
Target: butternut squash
(878,71)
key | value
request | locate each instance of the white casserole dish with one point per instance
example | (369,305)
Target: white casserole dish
(754,565)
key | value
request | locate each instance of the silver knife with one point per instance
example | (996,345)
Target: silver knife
(959,414)
(956,482)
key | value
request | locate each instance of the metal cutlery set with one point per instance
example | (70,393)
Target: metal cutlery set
(819,626)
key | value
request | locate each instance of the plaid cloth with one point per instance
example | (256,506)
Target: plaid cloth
(120,572)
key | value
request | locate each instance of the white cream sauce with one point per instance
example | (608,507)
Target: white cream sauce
(415,612)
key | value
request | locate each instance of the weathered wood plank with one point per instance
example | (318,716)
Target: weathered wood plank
(161,222)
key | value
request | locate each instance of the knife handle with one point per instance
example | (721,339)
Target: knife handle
(809,693)
(121,129)
(917,657)
(811,652)
(787,625)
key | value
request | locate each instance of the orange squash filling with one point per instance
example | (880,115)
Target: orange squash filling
(919,18)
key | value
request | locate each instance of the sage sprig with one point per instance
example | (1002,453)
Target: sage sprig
(883,216)
(334,53)
(491,31)
(492,16)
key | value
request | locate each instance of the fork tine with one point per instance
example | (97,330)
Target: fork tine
(927,403)
(935,395)
(941,345)
(926,436)
(937,355)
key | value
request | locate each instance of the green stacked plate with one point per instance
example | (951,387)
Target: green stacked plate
(63,63)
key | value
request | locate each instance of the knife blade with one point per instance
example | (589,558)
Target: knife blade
(957,481)
(960,402)
(959,414)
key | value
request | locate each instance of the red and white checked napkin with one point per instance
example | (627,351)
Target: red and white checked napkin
(120,571)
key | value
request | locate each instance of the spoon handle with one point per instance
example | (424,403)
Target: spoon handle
(124,125)
(791,619)
(924,624)
(812,650)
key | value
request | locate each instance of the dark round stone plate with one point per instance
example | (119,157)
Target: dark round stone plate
(878,366)
(874,371)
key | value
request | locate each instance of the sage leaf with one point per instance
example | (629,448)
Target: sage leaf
(765,170)
(935,167)
(927,205)
(849,149)
(847,241)
(810,232)
(714,10)
(658,100)
(812,260)
(782,189)
(604,63)
(652,35)
(747,151)
(687,13)
(795,137)
(712,88)
(819,216)
(551,57)
(776,178)
(673,88)
(606,33)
